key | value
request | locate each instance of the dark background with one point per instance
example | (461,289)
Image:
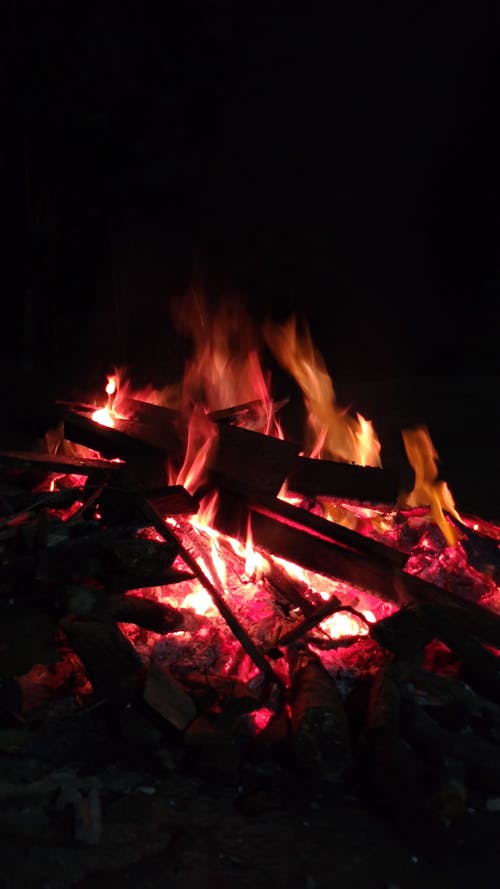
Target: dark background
(343,166)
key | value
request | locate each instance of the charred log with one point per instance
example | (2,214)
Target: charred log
(333,478)
(90,602)
(320,735)
(249,461)
(111,662)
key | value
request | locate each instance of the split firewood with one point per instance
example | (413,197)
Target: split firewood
(315,551)
(124,439)
(26,460)
(118,504)
(320,734)
(111,662)
(86,812)
(259,502)
(167,697)
(333,478)
(246,461)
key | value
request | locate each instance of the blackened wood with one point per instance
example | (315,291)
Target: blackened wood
(250,461)
(333,478)
(335,551)
(114,556)
(482,666)
(457,696)
(480,757)
(330,530)
(160,617)
(54,463)
(320,734)
(150,414)
(403,632)
(303,546)
(122,440)
(111,662)
(471,616)
(391,767)
(116,503)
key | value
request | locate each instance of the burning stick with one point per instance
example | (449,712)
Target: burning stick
(333,605)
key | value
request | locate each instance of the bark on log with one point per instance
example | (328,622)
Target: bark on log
(390,765)
(320,734)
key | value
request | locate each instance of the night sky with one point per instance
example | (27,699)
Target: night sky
(344,166)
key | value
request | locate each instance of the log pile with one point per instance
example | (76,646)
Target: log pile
(406,710)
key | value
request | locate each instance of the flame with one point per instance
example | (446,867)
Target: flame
(336,434)
(427,489)
(106,415)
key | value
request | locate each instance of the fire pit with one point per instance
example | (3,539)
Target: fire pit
(173,556)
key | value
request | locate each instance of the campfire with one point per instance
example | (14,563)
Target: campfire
(176,552)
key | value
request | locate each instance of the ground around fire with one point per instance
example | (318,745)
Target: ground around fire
(167,822)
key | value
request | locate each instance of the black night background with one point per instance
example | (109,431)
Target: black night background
(343,167)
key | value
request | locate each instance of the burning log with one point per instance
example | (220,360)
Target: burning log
(248,461)
(89,602)
(320,735)
(125,438)
(297,543)
(26,460)
(348,480)
(124,503)
(232,621)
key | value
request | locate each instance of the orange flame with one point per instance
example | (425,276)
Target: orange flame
(427,489)
(336,434)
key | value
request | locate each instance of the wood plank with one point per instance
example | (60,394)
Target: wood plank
(369,484)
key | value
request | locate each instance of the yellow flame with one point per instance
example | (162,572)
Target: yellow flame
(427,489)
(336,434)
